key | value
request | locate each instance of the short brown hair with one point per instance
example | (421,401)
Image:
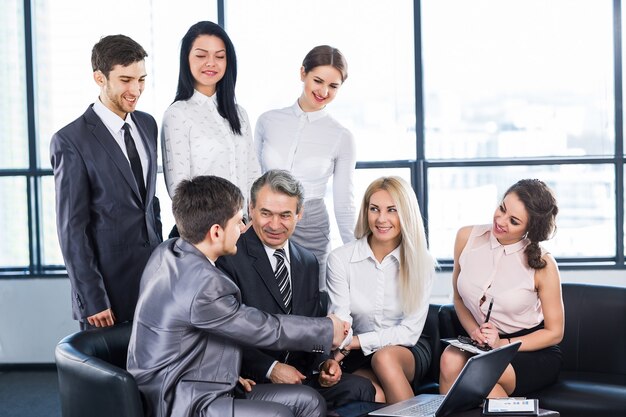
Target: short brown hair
(115,50)
(203,201)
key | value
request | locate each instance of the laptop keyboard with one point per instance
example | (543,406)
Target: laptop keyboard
(424,409)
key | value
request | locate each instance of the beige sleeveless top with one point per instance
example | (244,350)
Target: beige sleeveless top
(492,270)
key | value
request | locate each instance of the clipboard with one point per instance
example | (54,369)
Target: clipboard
(511,407)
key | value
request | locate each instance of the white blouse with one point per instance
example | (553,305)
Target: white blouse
(313,147)
(365,293)
(196,140)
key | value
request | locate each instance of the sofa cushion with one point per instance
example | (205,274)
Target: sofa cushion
(584,395)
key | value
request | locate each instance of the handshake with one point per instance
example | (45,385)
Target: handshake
(342,335)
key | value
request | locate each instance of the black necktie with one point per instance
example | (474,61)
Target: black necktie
(135,162)
(282,277)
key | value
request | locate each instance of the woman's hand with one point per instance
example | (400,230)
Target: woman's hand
(489,335)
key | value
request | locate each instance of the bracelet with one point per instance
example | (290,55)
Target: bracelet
(344,352)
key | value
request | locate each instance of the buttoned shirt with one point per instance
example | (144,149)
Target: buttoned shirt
(492,270)
(366,293)
(197,140)
(114,125)
(314,147)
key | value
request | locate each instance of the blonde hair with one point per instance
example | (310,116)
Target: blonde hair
(417,265)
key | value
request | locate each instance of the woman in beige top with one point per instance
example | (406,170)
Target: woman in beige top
(502,265)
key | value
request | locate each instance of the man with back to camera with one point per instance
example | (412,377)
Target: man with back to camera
(184,350)
(276,200)
(105,164)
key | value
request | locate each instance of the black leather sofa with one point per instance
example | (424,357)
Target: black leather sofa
(93,380)
(92,376)
(592,382)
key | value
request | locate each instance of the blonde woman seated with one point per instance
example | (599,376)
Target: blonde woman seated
(381,283)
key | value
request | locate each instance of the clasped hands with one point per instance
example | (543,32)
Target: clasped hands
(486,334)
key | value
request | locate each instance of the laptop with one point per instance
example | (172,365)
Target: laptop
(476,380)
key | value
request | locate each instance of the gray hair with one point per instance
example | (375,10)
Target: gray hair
(280,181)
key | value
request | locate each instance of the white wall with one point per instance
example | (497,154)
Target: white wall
(35,313)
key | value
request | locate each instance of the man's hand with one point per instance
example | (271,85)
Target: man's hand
(246,384)
(286,374)
(104,318)
(330,373)
(341,329)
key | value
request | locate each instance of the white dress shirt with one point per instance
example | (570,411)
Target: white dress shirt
(196,140)
(365,293)
(313,147)
(115,124)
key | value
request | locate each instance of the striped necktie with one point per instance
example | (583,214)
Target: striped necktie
(282,278)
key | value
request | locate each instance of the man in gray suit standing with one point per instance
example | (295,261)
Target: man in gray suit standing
(190,325)
(104,162)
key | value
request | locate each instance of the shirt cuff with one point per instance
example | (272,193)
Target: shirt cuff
(369,343)
(269,371)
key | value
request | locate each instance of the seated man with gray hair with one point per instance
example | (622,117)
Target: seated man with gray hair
(280,277)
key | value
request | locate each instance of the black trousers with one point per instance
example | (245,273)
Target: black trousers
(350,388)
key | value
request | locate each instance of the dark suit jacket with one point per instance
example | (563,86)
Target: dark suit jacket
(251,270)
(184,349)
(105,230)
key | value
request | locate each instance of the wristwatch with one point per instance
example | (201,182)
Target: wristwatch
(345,352)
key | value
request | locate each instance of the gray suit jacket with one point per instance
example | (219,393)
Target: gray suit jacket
(105,230)
(185,348)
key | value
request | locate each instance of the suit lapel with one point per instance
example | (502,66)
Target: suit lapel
(262,266)
(297,277)
(103,136)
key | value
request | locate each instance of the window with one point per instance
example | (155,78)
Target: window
(534,101)
(63,34)
(461,97)
(377,101)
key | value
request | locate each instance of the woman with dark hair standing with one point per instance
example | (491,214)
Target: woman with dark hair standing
(507,289)
(305,140)
(204,131)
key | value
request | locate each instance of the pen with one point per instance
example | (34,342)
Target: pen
(489,311)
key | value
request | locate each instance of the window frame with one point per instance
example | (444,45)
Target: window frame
(419,167)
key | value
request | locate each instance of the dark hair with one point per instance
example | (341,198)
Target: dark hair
(542,209)
(225,89)
(280,181)
(115,50)
(326,55)
(203,201)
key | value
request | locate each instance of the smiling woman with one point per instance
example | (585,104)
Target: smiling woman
(314,147)
(204,131)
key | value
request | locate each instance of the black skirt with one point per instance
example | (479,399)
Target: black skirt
(536,369)
(422,353)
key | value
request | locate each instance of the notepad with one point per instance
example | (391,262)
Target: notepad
(516,406)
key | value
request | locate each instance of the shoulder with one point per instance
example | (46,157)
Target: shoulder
(344,253)
(73,132)
(464,233)
(242,111)
(145,118)
(333,123)
(176,107)
(550,270)
(306,256)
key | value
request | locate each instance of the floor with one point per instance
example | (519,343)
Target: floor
(29,392)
